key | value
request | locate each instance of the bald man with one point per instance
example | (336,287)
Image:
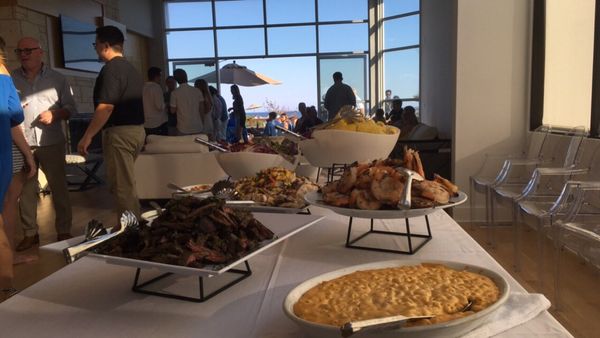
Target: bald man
(47,99)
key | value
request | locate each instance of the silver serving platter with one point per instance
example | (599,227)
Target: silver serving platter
(316,198)
(283,226)
(453,328)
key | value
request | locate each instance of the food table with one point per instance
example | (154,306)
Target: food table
(90,298)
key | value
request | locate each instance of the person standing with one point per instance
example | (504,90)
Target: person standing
(240,114)
(220,110)
(387,102)
(338,95)
(171,85)
(206,108)
(44,112)
(186,102)
(119,113)
(155,116)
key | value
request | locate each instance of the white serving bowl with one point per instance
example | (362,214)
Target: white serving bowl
(244,164)
(453,328)
(333,146)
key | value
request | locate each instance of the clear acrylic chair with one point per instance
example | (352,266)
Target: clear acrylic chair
(494,166)
(538,206)
(561,152)
(578,231)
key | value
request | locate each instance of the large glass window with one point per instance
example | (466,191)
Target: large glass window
(401,32)
(341,10)
(290,11)
(344,38)
(190,44)
(291,40)
(239,12)
(398,7)
(188,14)
(233,42)
(401,72)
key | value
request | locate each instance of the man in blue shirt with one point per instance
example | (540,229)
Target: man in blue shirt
(270,129)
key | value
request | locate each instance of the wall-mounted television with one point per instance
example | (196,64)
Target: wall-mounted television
(77,45)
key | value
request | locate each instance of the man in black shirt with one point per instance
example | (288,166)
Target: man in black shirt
(120,114)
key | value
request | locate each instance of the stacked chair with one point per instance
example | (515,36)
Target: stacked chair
(578,229)
(494,167)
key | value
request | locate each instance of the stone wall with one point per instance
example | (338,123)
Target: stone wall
(17,21)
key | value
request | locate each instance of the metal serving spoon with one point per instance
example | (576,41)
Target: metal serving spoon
(176,187)
(411,175)
(289,132)
(351,328)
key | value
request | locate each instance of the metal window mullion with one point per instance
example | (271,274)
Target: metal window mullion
(317,58)
(265,27)
(403,15)
(395,49)
(213,7)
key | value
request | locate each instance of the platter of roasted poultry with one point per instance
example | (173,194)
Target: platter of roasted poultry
(390,188)
(194,236)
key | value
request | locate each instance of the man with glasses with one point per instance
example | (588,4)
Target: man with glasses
(120,115)
(47,100)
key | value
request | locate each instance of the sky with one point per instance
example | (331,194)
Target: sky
(297,74)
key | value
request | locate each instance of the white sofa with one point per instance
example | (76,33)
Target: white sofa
(174,159)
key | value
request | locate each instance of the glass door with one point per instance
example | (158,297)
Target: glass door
(201,69)
(354,71)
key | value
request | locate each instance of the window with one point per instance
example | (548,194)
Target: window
(234,42)
(188,14)
(401,32)
(399,7)
(343,38)
(401,73)
(290,11)
(239,13)
(291,40)
(179,46)
(342,10)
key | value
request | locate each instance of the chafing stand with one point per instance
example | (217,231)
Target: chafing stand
(409,237)
(204,296)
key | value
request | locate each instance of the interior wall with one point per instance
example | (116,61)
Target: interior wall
(492,84)
(438,64)
(39,19)
(569,62)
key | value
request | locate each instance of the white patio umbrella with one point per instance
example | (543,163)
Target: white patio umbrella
(240,75)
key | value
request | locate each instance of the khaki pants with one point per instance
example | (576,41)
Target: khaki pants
(121,145)
(51,160)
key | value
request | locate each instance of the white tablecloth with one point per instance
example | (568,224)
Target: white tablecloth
(90,298)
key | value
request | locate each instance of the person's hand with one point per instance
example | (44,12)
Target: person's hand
(83,145)
(46,117)
(30,166)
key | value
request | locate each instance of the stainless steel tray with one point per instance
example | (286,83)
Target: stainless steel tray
(315,198)
(283,226)
(251,208)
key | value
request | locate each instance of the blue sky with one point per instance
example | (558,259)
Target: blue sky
(297,74)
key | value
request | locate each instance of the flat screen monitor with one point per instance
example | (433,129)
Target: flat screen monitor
(77,41)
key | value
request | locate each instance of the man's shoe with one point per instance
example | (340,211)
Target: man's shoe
(28,242)
(62,237)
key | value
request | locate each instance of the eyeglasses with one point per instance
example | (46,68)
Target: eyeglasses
(94,44)
(26,51)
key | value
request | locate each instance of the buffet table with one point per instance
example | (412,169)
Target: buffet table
(90,298)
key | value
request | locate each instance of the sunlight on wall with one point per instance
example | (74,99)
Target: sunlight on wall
(569,61)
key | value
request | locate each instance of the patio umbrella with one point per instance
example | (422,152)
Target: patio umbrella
(240,75)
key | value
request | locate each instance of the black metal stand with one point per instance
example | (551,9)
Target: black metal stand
(409,237)
(140,288)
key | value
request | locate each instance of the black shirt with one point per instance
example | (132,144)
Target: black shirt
(120,84)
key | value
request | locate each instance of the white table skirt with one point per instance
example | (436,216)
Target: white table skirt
(90,298)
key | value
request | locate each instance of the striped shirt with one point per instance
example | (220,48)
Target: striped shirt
(18,161)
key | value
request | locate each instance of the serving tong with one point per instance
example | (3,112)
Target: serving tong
(211,145)
(289,132)
(96,234)
(391,322)
(405,198)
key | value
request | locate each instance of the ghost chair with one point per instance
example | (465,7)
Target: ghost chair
(494,166)
(578,232)
(562,153)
